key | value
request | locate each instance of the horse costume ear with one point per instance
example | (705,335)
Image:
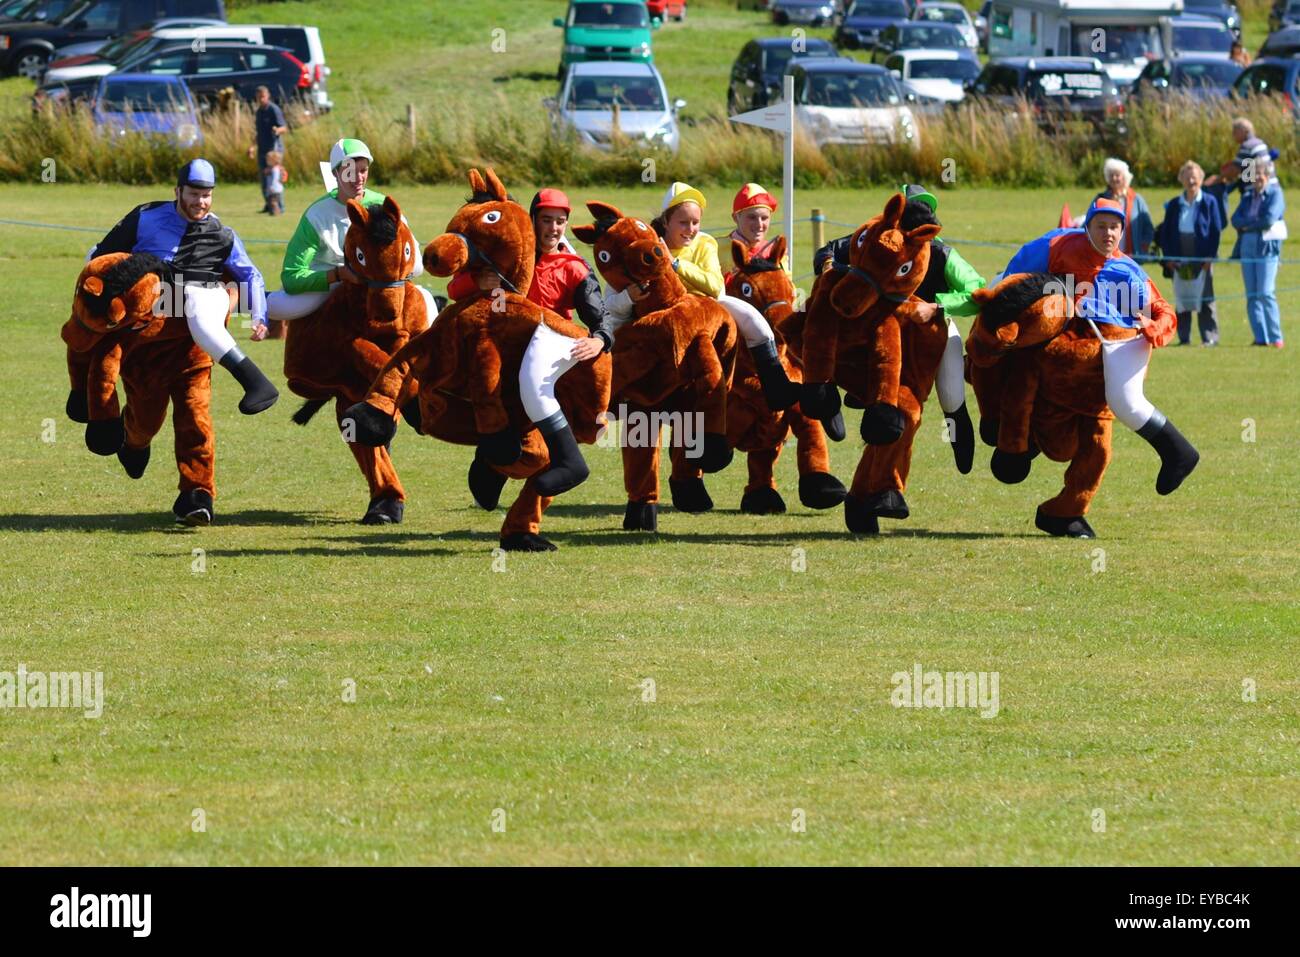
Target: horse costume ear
(476,183)
(116,310)
(585,233)
(923,234)
(894,209)
(1008,333)
(356,214)
(603,210)
(495,187)
(739,253)
(982,295)
(778,250)
(92,285)
(392,209)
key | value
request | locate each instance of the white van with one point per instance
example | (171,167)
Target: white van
(1124,34)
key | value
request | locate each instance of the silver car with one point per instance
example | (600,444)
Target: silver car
(594,93)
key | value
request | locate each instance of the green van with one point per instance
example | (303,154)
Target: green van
(606,30)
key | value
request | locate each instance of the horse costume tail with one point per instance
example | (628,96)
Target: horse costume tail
(308,410)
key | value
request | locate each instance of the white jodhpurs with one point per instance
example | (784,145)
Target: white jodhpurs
(1124,364)
(951,381)
(753,328)
(205,313)
(549,355)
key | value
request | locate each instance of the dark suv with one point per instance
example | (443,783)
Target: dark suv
(1057,89)
(756,74)
(1272,76)
(25,48)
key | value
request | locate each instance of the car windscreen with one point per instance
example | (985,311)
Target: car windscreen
(938,36)
(855,90)
(631,93)
(1202,40)
(892,9)
(143,97)
(292,38)
(608,15)
(1120,43)
(943,70)
(942,15)
(1221,74)
(778,56)
(1266,79)
(60,12)
(115,50)
(1065,84)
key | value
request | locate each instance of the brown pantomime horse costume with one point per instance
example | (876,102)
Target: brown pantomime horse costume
(676,358)
(1037,374)
(860,333)
(115,332)
(467,365)
(337,351)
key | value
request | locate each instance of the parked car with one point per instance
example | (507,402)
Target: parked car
(25,48)
(606,30)
(1197,34)
(1222,10)
(667,9)
(1057,89)
(224,64)
(1283,43)
(815,13)
(129,104)
(27,11)
(96,47)
(590,92)
(982,24)
(840,100)
(863,20)
(919,36)
(1271,76)
(941,75)
(1284,14)
(1203,76)
(1128,48)
(944,12)
(756,74)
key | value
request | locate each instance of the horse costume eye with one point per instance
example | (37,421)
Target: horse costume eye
(361,257)
(640,225)
(862,238)
(604,256)
(904,269)
(492,216)
(406,252)
(746,290)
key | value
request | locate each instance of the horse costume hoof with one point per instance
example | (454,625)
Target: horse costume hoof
(858,519)
(690,495)
(819,400)
(853,402)
(370,426)
(1010,468)
(135,461)
(762,501)
(194,508)
(989,432)
(821,490)
(485,484)
(882,424)
(963,439)
(411,413)
(717,453)
(834,427)
(384,511)
(76,407)
(1075,527)
(501,448)
(887,504)
(105,436)
(641,517)
(526,542)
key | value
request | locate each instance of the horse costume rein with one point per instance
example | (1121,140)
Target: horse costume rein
(382,284)
(476,257)
(870,280)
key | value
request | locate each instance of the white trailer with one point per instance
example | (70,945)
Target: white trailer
(1123,34)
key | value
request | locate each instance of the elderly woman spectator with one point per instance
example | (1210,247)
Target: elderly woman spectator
(1260,231)
(1189,240)
(1139,233)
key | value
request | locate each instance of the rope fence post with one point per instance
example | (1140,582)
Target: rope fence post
(818,228)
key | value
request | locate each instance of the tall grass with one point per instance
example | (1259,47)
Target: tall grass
(970,145)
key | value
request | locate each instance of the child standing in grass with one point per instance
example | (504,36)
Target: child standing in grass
(274,177)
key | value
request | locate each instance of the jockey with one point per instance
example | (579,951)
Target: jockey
(1111,288)
(314,262)
(199,249)
(752,211)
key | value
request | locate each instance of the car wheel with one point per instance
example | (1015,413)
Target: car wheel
(32,64)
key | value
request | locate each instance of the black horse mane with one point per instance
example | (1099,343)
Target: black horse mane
(381,229)
(1013,299)
(479,196)
(122,275)
(761,264)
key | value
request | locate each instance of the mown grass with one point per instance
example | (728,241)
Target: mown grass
(523,689)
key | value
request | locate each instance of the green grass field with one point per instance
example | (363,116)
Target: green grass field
(522,689)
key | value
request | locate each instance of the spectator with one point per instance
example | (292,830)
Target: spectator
(1238,54)
(270,126)
(1137,237)
(1190,234)
(273,180)
(1250,150)
(1260,231)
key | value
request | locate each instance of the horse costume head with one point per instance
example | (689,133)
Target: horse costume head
(118,290)
(491,231)
(1023,310)
(629,252)
(760,280)
(886,265)
(379,246)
